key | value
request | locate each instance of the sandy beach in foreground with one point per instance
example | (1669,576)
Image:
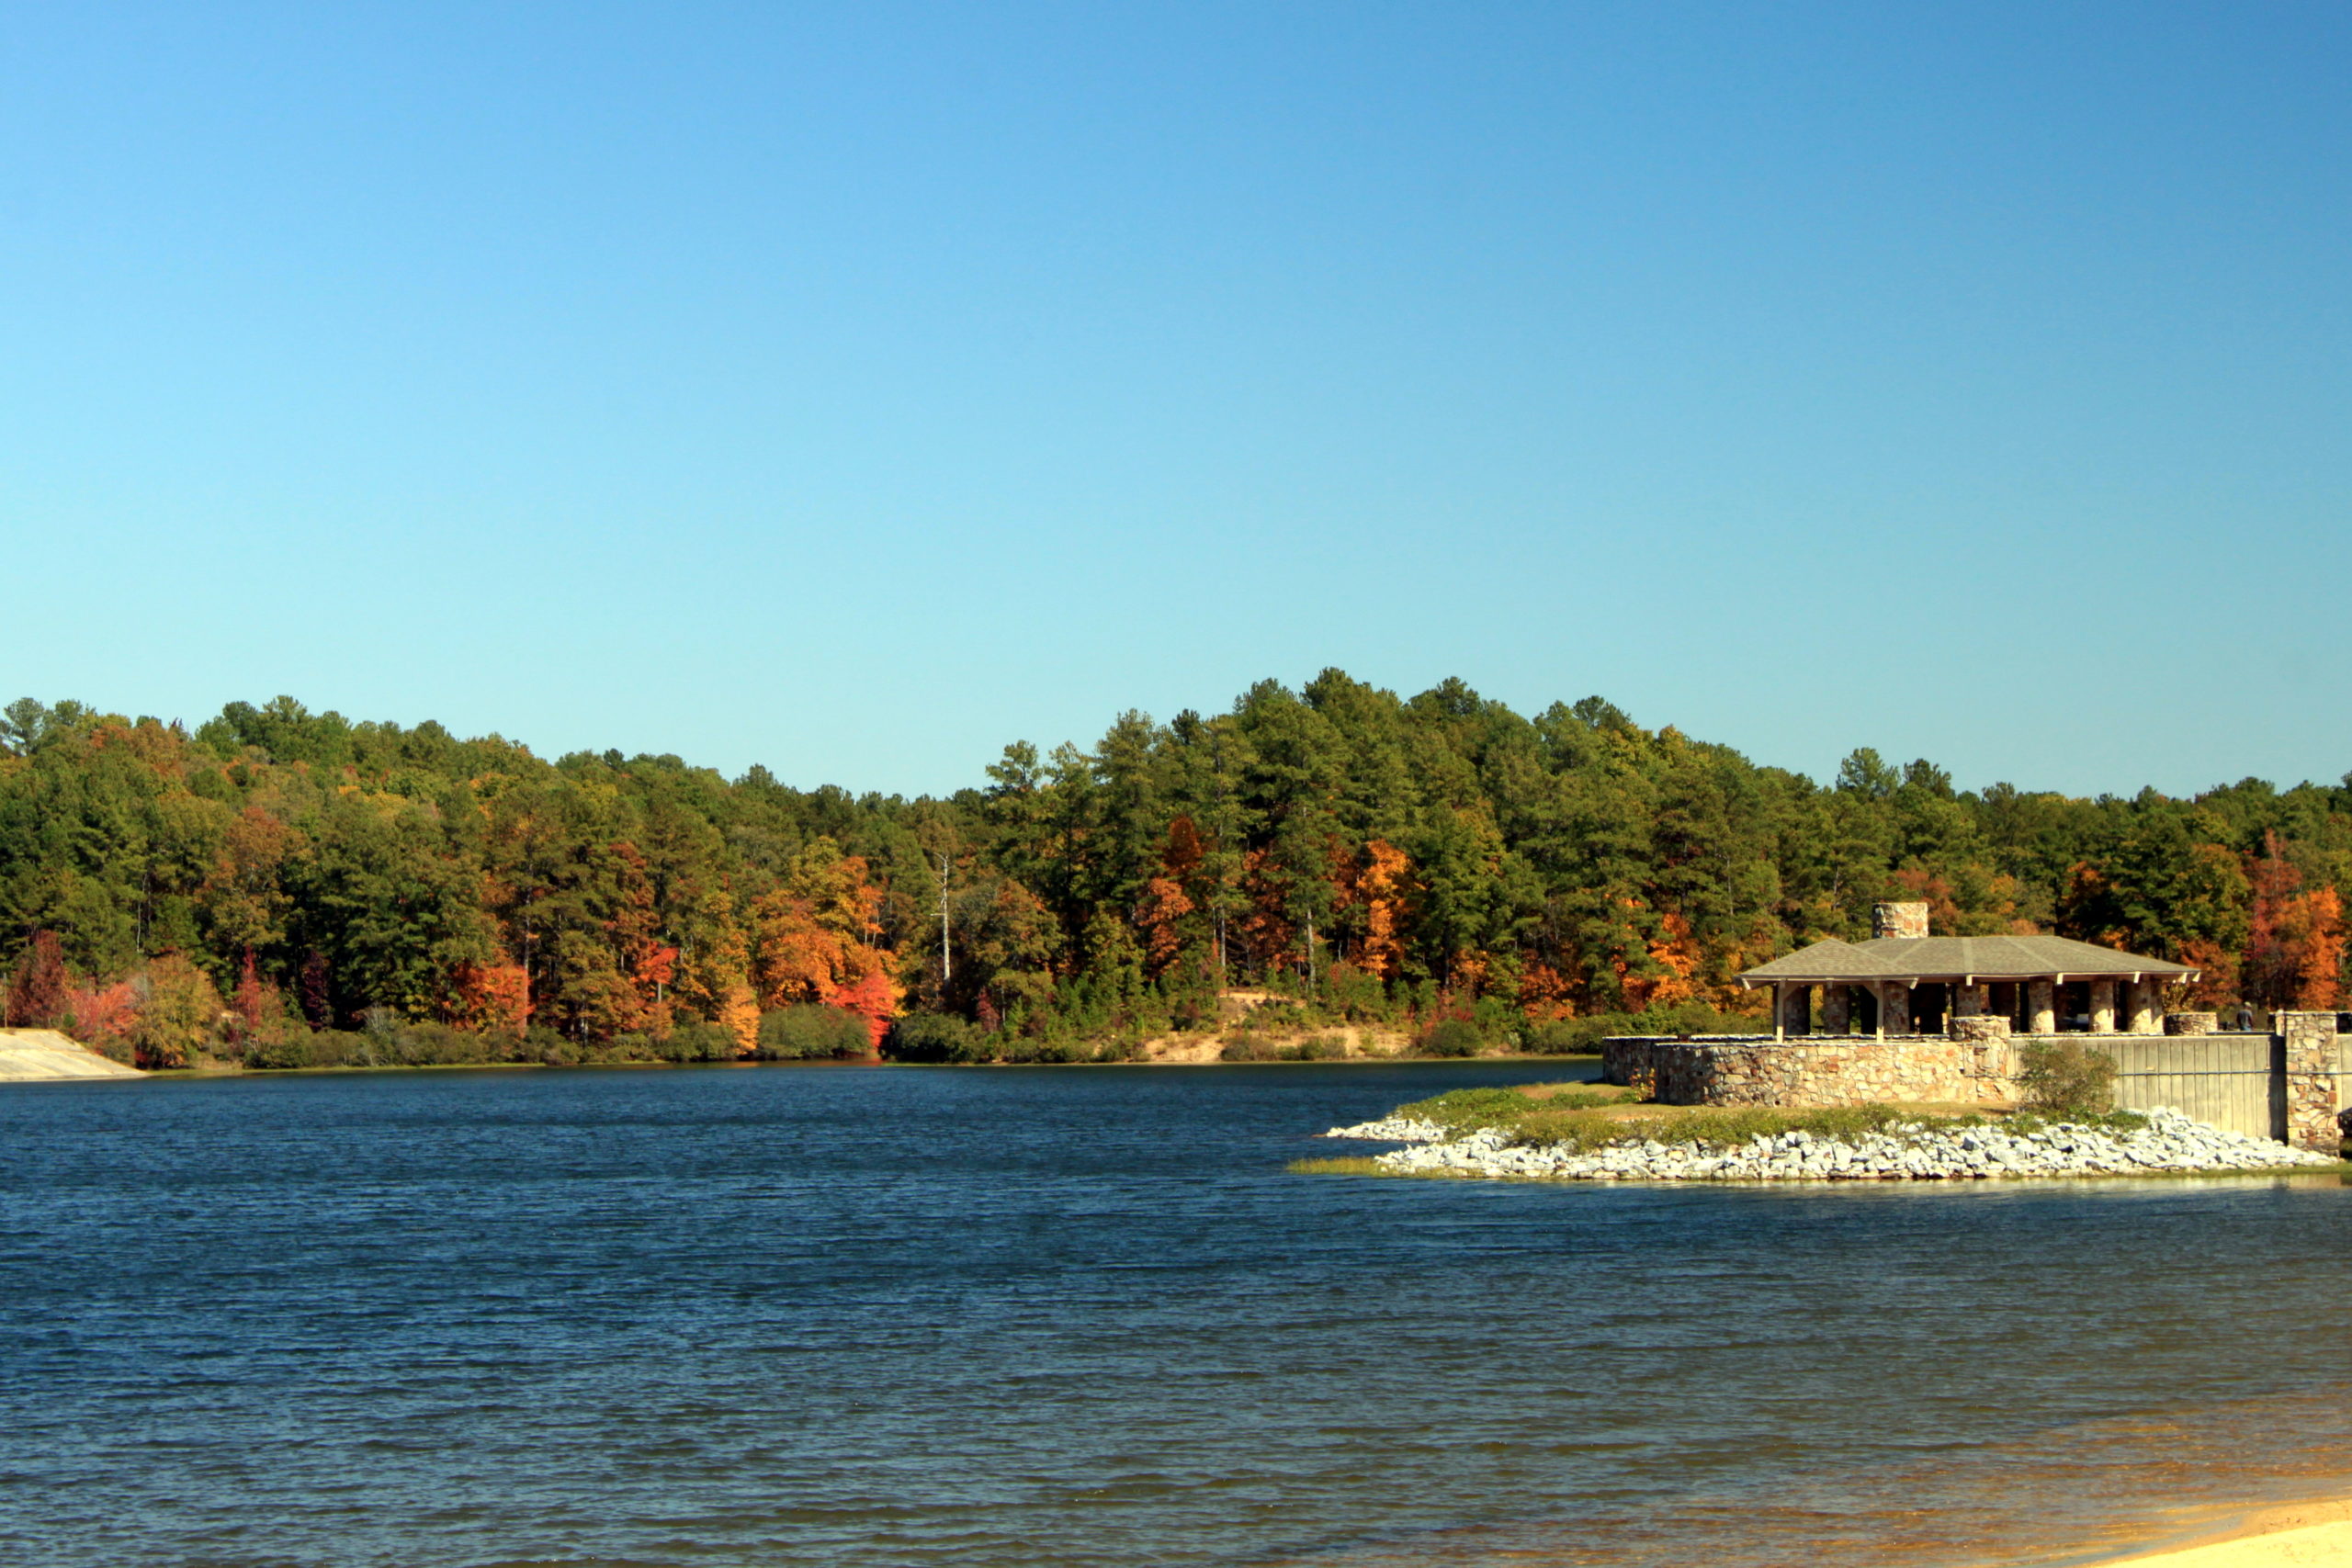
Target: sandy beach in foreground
(2305,1534)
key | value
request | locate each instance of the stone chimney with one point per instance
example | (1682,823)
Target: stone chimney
(1908,920)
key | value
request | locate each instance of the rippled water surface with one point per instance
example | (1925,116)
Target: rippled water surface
(1082,1315)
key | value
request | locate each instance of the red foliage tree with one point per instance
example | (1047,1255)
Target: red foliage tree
(250,1000)
(873,998)
(36,994)
(104,1016)
(492,998)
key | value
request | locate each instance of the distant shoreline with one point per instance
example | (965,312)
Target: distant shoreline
(187,1074)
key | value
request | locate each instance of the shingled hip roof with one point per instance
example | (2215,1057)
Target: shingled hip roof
(1960,957)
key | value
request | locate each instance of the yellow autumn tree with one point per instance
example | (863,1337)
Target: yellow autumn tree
(713,973)
(816,938)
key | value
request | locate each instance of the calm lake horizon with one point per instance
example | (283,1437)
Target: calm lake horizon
(1083,1315)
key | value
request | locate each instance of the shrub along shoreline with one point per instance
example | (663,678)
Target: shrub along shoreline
(798,1034)
(1270,1028)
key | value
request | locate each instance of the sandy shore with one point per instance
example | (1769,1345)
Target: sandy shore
(2303,1535)
(31,1055)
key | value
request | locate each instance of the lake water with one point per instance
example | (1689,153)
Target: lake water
(1083,1315)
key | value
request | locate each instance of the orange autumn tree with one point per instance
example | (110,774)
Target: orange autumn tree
(1377,891)
(1546,993)
(816,938)
(1674,960)
(493,997)
(1263,927)
(2294,952)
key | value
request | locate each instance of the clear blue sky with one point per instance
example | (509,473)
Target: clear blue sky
(857,388)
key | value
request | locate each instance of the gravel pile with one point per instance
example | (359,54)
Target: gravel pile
(1392,1130)
(1909,1152)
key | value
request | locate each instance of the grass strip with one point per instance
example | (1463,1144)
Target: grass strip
(1356,1166)
(1585,1117)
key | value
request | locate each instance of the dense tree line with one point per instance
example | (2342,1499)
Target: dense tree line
(278,873)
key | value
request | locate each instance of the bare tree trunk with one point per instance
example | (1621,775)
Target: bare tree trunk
(947,962)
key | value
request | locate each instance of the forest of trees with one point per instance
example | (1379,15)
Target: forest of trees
(285,887)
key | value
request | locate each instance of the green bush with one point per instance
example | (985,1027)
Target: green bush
(1047,1052)
(1356,995)
(935,1037)
(808,1032)
(697,1040)
(543,1044)
(1580,1115)
(689,1040)
(283,1051)
(388,1042)
(1498,1021)
(1566,1036)
(439,1045)
(1582,1036)
(1247,1046)
(2066,1079)
(1281,1015)
(1452,1037)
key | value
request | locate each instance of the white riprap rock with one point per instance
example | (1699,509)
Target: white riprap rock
(1909,1152)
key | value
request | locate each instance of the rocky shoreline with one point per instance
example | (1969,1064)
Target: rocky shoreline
(1908,1152)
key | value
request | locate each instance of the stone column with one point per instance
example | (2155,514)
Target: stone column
(2312,1096)
(1796,1008)
(2041,1006)
(1907,920)
(2144,1007)
(2102,1007)
(1893,1007)
(1836,1010)
(1971,1002)
(1992,1060)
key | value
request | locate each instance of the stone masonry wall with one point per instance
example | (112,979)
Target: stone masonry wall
(1979,1069)
(1816,1072)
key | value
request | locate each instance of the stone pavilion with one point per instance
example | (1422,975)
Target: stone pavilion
(1904,981)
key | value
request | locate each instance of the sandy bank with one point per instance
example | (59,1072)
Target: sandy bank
(2302,1535)
(32,1054)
